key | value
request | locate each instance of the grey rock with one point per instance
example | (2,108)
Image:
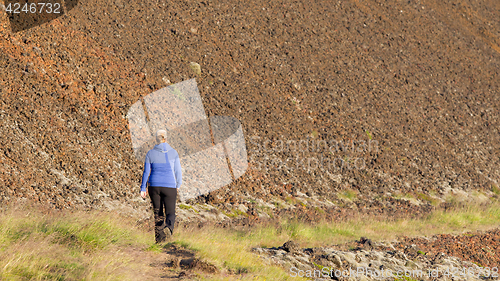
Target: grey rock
(291,246)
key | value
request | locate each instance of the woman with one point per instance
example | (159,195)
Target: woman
(162,170)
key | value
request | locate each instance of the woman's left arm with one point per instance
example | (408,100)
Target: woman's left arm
(178,172)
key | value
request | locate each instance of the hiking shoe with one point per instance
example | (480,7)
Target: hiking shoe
(168,232)
(160,235)
(161,238)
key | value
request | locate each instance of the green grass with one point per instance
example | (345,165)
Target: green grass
(291,200)
(368,134)
(72,246)
(235,213)
(231,248)
(314,134)
(277,204)
(348,194)
(319,210)
(96,245)
(404,278)
(184,207)
(424,197)
(155,248)
(187,207)
(86,233)
(495,189)
(406,196)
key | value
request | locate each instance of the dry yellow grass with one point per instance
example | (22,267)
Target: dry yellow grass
(103,246)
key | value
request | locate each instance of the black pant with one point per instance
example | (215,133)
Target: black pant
(163,197)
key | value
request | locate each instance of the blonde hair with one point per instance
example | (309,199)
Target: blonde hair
(161,136)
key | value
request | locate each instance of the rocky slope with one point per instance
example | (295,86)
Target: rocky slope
(410,86)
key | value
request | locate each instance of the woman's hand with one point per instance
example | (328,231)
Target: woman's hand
(143,194)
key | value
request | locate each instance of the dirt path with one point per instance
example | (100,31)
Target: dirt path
(171,263)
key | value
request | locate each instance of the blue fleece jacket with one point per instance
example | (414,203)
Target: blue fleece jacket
(162,167)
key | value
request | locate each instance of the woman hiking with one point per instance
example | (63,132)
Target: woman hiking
(162,170)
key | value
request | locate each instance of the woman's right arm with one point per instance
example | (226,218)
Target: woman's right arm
(145,174)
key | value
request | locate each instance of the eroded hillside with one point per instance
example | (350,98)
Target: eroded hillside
(418,80)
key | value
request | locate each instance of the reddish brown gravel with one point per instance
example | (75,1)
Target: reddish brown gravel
(418,77)
(482,248)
